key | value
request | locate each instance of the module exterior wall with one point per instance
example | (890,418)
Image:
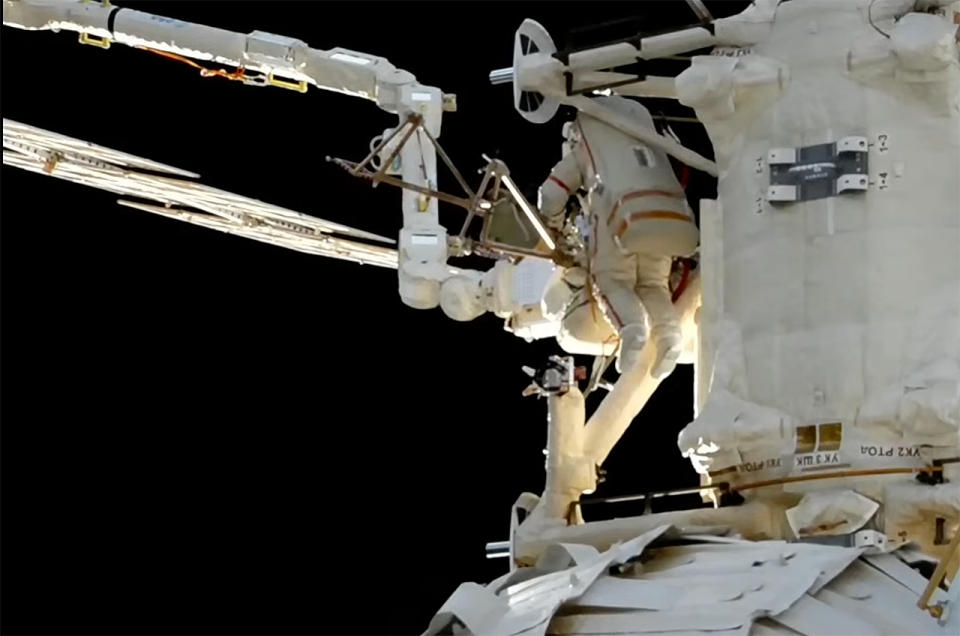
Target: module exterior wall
(835,298)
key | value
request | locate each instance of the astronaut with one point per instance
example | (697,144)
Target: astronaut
(639,220)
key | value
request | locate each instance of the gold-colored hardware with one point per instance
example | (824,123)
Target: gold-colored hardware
(300,87)
(93,40)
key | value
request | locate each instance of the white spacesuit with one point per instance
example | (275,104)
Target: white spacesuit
(639,220)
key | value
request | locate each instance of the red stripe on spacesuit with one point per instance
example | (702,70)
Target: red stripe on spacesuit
(560,183)
(639,194)
(593,279)
(608,304)
(652,214)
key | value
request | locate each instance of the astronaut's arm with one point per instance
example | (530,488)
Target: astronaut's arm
(563,182)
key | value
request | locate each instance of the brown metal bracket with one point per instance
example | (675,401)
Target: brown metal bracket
(373,153)
(938,575)
(355,170)
(475,203)
(413,123)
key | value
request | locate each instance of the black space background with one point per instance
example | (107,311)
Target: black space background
(207,435)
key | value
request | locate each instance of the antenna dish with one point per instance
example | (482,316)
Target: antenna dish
(532,38)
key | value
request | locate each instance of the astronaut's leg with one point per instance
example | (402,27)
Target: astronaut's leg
(614,289)
(653,274)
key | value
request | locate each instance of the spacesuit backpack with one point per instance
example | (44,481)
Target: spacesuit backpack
(638,196)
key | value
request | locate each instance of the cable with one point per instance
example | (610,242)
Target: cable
(237,75)
(702,12)
(570,311)
(725,487)
(870,19)
(842,473)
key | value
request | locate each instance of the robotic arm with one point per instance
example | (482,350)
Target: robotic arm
(268,59)
(277,57)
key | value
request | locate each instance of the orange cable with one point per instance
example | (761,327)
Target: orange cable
(204,71)
(842,473)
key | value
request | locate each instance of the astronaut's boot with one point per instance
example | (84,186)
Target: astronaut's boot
(669,344)
(633,338)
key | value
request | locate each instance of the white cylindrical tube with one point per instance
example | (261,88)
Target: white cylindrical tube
(644,134)
(92,18)
(136,28)
(621,53)
(652,86)
(501,76)
(566,415)
(632,390)
(675,43)
(603,57)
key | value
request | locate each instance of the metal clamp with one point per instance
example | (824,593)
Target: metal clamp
(782,193)
(851,182)
(852,144)
(780,156)
(937,609)
(819,171)
(871,541)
